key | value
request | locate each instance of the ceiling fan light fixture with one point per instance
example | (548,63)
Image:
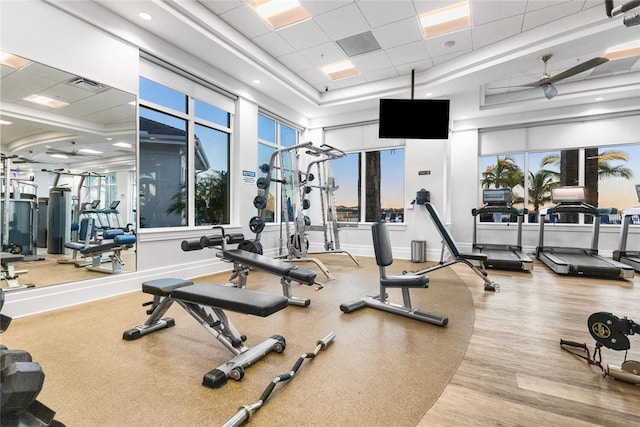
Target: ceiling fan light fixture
(549,91)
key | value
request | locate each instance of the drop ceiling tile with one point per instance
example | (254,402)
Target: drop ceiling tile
(295,62)
(244,20)
(461,41)
(382,12)
(418,66)
(495,10)
(424,6)
(314,76)
(323,54)
(273,44)
(350,81)
(398,33)
(343,22)
(549,14)
(304,34)
(411,52)
(315,7)
(534,5)
(371,61)
(487,34)
(387,73)
(444,58)
(221,6)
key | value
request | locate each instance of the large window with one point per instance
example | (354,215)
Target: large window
(274,135)
(608,175)
(381,186)
(174,190)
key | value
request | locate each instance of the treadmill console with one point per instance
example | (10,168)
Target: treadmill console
(497,196)
(568,195)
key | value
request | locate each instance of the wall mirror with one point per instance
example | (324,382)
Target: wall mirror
(68,148)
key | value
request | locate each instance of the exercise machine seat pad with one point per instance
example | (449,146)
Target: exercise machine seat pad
(9,257)
(234,299)
(163,287)
(406,281)
(275,266)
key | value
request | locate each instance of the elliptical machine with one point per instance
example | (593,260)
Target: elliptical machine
(611,332)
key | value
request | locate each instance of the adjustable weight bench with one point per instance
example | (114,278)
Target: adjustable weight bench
(244,260)
(206,303)
(384,258)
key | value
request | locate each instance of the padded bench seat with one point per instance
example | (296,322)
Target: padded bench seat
(163,287)
(408,281)
(228,298)
(270,265)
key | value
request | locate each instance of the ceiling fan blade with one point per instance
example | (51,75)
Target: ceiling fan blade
(587,65)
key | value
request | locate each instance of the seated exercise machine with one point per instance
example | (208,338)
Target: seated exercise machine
(384,258)
(22,380)
(206,303)
(630,257)
(497,201)
(112,242)
(475,261)
(574,260)
(244,260)
(609,331)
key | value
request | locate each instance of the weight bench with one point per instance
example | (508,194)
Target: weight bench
(384,258)
(9,273)
(114,240)
(206,303)
(243,261)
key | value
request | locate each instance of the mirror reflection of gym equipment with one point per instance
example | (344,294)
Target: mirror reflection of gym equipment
(75,140)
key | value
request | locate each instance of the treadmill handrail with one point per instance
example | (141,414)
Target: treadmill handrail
(574,208)
(499,209)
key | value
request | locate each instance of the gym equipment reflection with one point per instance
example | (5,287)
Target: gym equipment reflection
(56,161)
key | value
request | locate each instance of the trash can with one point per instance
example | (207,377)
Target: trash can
(418,251)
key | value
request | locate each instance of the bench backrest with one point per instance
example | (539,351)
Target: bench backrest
(381,244)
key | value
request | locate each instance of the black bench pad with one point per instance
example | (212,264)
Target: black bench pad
(9,257)
(270,265)
(163,287)
(406,281)
(234,299)
(474,256)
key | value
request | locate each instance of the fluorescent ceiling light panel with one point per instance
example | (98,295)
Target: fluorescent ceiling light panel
(46,101)
(446,20)
(59,156)
(13,61)
(625,50)
(5,122)
(340,70)
(279,13)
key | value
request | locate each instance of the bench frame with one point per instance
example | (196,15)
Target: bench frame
(214,320)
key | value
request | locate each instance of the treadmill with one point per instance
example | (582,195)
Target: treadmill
(577,261)
(631,258)
(501,256)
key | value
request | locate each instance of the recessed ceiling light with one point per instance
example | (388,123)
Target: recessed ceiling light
(256,81)
(13,61)
(600,98)
(449,43)
(446,20)
(59,156)
(46,101)
(279,13)
(145,16)
(5,122)
(340,70)
(122,144)
(428,94)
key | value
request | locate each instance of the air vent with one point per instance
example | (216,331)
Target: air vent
(86,84)
(358,44)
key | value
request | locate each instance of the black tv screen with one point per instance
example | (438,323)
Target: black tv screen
(414,118)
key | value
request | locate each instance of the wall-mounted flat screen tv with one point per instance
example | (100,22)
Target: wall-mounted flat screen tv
(414,118)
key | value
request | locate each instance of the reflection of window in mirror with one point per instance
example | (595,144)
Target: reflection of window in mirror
(64,164)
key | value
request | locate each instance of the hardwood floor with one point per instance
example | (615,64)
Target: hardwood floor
(515,373)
